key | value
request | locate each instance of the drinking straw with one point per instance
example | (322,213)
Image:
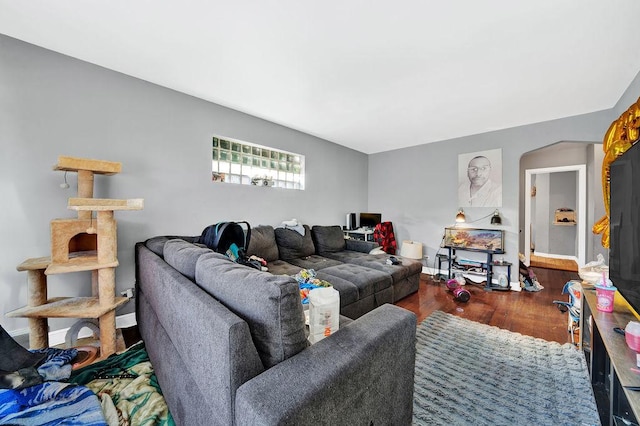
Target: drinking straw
(604,280)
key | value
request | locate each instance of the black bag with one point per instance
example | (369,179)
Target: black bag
(227,238)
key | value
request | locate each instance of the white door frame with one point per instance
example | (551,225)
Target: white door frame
(582,207)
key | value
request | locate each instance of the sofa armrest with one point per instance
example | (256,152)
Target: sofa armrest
(362,374)
(361,246)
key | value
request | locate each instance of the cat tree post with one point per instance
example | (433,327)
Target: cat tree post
(82,244)
(85,190)
(37,295)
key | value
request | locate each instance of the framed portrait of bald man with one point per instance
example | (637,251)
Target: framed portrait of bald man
(480,179)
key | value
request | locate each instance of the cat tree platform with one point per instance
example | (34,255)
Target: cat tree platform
(87,243)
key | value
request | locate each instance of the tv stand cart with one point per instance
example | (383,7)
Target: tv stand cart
(486,267)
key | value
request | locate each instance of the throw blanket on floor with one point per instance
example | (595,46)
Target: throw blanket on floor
(32,402)
(50,403)
(469,373)
(127,387)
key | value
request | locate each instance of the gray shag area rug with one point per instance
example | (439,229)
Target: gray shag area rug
(469,373)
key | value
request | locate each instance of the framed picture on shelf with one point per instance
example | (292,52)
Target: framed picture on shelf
(486,240)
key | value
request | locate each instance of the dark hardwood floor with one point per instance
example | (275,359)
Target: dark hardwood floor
(529,313)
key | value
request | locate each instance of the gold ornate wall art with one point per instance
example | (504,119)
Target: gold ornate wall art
(622,134)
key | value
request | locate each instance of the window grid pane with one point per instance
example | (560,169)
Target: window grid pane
(248,164)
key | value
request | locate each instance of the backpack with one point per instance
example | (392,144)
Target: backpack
(227,238)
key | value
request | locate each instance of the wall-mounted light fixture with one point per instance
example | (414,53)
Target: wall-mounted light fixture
(496,219)
(460,217)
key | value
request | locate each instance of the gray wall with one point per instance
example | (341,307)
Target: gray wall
(416,187)
(53,105)
(595,202)
(540,214)
(563,189)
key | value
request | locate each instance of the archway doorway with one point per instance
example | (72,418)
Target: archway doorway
(563,154)
(560,239)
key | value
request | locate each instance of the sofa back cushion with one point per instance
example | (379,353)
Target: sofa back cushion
(270,304)
(156,244)
(328,239)
(292,245)
(182,256)
(263,243)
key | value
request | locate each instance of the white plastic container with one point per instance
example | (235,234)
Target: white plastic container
(503,281)
(324,313)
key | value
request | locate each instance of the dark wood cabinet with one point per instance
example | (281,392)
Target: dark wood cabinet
(612,364)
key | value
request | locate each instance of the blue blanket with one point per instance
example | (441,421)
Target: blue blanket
(51,403)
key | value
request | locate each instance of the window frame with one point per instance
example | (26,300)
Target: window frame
(248,163)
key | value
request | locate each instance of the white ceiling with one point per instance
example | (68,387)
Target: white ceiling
(370,75)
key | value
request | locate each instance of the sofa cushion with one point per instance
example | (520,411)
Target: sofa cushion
(349,292)
(293,245)
(182,256)
(281,267)
(328,238)
(270,304)
(368,281)
(314,261)
(156,244)
(348,256)
(263,243)
(399,272)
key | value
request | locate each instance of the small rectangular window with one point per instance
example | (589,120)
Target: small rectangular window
(246,163)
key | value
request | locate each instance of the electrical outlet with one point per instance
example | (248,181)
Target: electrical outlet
(128,293)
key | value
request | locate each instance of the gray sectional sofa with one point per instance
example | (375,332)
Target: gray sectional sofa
(365,281)
(228,342)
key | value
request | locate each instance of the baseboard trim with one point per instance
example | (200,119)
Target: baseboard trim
(556,256)
(18,332)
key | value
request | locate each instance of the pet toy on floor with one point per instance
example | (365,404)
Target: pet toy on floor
(459,293)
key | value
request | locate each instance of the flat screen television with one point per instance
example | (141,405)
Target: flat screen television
(370,220)
(624,225)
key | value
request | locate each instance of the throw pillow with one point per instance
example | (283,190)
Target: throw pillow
(292,245)
(263,243)
(328,239)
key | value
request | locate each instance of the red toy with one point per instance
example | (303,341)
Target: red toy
(460,294)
